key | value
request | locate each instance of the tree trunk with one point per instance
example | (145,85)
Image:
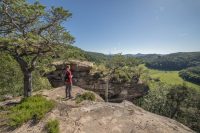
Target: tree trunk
(106,91)
(27,72)
(27,83)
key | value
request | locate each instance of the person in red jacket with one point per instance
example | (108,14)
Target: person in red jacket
(68,81)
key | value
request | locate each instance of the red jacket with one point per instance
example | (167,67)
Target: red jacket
(69,76)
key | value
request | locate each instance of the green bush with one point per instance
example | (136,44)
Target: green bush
(34,107)
(85,96)
(12,78)
(53,126)
(40,82)
(178,102)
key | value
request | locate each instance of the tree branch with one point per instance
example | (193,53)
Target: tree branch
(41,29)
(11,19)
(33,62)
(23,64)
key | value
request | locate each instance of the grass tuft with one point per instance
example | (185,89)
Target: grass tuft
(85,96)
(34,108)
(53,126)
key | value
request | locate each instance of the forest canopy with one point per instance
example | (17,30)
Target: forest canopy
(176,61)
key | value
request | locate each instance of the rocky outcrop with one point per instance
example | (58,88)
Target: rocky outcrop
(101,117)
(82,77)
(79,69)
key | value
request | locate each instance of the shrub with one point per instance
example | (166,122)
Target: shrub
(97,75)
(11,82)
(157,79)
(10,75)
(34,107)
(53,126)
(178,102)
(85,96)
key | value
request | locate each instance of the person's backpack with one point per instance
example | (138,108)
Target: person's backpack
(66,77)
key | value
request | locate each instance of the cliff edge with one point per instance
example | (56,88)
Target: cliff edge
(100,117)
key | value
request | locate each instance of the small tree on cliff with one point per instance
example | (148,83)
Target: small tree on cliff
(29,31)
(117,62)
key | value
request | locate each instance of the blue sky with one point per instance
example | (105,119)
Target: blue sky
(133,26)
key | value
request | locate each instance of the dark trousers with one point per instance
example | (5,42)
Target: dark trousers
(68,89)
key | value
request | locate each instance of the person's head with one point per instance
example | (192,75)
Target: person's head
(68,67)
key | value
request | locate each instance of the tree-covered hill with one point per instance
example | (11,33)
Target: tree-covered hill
(175,61)
(97,57)
(191,74)
(143,56)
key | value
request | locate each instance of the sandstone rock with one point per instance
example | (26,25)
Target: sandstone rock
(76,65)
(101,117)
(89,81)
(7,97)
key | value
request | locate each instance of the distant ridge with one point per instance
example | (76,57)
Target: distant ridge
(174,61)
(140,55)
